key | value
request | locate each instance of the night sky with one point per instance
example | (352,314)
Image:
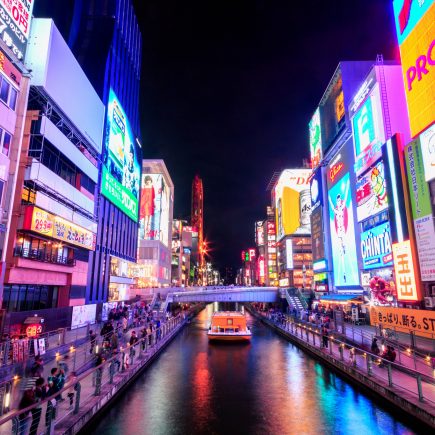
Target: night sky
(228,89)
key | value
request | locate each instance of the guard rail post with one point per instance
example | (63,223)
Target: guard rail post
(369,365)
(330,344)
(78,389)
(111,371)
(419,388)
(390,375)
(99,376)
(340,348)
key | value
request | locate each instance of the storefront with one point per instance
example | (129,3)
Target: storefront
(350,306)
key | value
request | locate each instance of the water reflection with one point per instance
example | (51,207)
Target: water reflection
(266,387)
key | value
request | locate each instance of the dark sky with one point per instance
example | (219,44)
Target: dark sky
(228,89)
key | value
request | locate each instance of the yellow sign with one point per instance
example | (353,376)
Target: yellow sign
(403,319)
(54,226)
(405,275)
(418,67)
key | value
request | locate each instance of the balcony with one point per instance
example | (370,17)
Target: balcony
(43,256)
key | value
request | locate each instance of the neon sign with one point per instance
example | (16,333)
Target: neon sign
(335,170)
(376,247)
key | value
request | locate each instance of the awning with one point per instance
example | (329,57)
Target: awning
(340,298)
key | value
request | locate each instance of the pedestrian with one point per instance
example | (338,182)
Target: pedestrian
(114,342)
(38,367)
(124,324)
(40,394)
(93,340)
(324,337)
(375,347)
(143,336)
(24,418)
(63,365)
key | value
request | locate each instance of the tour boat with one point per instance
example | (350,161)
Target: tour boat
(229,326)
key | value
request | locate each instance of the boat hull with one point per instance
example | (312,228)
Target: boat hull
(229,337)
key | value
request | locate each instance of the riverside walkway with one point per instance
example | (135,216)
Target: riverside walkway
(86,394)
(399,384)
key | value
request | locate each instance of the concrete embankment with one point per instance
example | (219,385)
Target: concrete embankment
(399,398)
(96,405)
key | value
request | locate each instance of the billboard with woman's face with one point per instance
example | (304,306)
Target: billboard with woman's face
(154,208)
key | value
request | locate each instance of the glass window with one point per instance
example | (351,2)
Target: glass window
(22,298)
(13,98)
(4,91)
(7,139)
(54,297)
(14,298)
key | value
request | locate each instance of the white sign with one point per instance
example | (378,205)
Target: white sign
(82,315)
(289,253)
(425,235)
(427,141)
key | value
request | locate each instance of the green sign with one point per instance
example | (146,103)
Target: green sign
(115,192)
(418,187)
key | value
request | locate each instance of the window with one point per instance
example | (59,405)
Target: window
(13,98)
(4,91)
(29,297)
(5,142)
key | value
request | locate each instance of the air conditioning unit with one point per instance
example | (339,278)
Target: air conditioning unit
(429,302)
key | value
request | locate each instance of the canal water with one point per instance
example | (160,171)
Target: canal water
(268,386)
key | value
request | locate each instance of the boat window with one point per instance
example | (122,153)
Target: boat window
(229,330)
(237,329)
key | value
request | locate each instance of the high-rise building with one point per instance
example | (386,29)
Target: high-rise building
(54,227)
(155,227)
(197,222)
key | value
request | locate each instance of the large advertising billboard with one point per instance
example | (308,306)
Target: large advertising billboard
(316,189)
(287,200)
(121,169)
(421,210)
(342,231)
(371,192)
(318,246)
(15,18)
(427,140)
(415,24)
(154,208)
(315,139)
(259,233)
(376,250)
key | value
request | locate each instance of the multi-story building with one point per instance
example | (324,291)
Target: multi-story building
(54,224)
(181,252)
(155,229)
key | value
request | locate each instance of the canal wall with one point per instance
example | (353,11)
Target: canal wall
(400,399)
(97,405)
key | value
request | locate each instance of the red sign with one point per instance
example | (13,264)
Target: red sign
(33,330)
(335,170)
(10,71)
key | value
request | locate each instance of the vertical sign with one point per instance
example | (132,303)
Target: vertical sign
(404,268)
(421,210)
(289,253)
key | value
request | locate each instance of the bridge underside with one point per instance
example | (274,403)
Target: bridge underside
(260,295)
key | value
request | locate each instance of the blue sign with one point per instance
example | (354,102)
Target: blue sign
(316,189)
(376,247)
(364,127)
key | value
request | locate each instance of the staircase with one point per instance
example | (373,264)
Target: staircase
(293,300)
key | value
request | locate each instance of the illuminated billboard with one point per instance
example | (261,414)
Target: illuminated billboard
(344,256)
(316,189)
(287,199)
(259,233)
(376,250)
(154,208)
(415,23)
(289,253)
(318,247)
(427,140)
(406,284)
(371,192)
(15,18)
(121,169)
(421,210)
(407,14)
(50,225)
(315,139)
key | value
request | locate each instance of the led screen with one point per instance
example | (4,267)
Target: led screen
(342,230)
(154,208)
(287,192)
(376,250)
(418,68)
(121,169)
(315,139)
(371,192)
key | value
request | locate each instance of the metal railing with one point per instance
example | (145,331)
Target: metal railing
(49,414)
(394,374)
(43,256)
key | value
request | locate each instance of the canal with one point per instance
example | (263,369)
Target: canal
(266,387)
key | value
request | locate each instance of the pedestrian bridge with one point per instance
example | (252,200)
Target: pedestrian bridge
(225,294)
